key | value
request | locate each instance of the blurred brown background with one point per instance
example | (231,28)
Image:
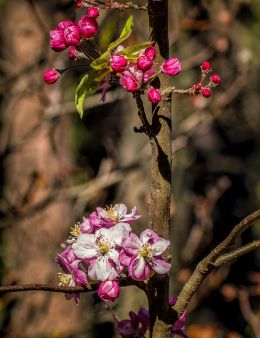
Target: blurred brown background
(55,167)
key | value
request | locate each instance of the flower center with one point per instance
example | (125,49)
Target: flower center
(111,213)
(145,251)
(103,247)
(75,230)
(64,278)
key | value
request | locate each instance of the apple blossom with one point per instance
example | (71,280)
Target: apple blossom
(143,256)
(206,92)
(216,79)
(93,12)
(50,76)
(118,63)
(72,35)
(87,26)
(154,95)
(150,52)
(101,251)
(171,66)
(57,42)
(144,63)
(128,82)
(136,326)
(109,290)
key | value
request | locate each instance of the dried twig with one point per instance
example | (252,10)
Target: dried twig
(111,4)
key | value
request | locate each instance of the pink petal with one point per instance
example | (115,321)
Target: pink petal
(159,265)
(160,246)
(138,269)
(132,244)
(84,247)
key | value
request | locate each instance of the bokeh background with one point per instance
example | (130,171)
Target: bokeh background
(55,167)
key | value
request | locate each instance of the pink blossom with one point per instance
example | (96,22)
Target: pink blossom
(72,274)
(93,12)
(136,326)
(79,3)
(74,54)
(171,66)
(87,26)
(216,79)
(57,42)
(50,76)
(101,250)
(118,63)
(144,63)
(86,227)
(154,95)
(65,23)
(197,87)
(205,66)
(150,52)
(145,254)
(115,214)
(206,92)
(142,77)
(109,290)
(72,35)
(128,82)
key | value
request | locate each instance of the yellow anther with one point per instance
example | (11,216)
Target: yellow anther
(75,230)
(111,213)
(64,278)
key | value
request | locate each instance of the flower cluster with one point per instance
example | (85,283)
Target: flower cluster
(137,76)
(214,81)
(103,248)
(78,37)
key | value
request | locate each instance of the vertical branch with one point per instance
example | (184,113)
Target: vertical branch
(159,213)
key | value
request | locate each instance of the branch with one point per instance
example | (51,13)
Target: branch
(145,128)
(205,266)
(233,255)
(111,4)
(67,289)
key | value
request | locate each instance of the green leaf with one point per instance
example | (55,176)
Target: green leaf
(126,32)
(101,62)
(131,53)
(88,85)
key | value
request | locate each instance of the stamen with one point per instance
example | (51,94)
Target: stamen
(64,279)
(75,230)
(111,213)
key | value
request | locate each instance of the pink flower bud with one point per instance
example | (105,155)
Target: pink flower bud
(109,290)
(64,24)
(144,63)
(57,42)
(171,66)
(72,35)
(150,52)
(197,87)
(74,54)
(205,66)
(118,63)
(206,92)
(87,26)
(216,79)
(50,76)
(154,95)
(93,12)
(128,82)
(78,3)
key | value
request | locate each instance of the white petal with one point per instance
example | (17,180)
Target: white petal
(160,246)
(85,247)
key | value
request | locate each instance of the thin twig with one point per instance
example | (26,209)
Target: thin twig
(110,4)
(205,266)
(67,289)
(233,255)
